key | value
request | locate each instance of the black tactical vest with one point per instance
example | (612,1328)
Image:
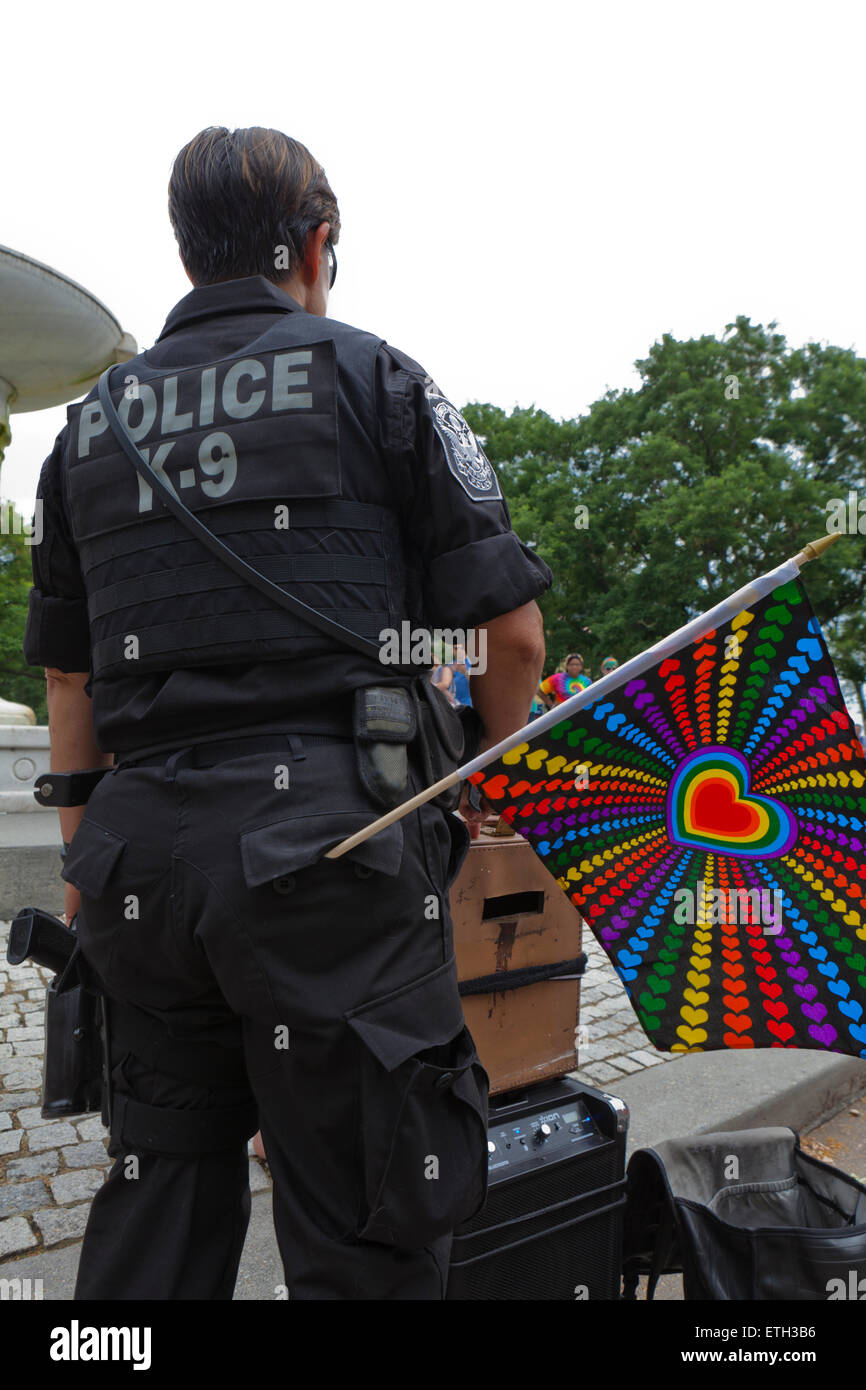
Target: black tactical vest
(272,447)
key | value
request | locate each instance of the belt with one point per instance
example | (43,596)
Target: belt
(210,752)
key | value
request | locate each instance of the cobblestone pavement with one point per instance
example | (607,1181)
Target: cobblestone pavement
(611,1042)
(49,1170)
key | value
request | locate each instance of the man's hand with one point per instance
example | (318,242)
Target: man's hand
(71,902)
(73,745)
(474,819)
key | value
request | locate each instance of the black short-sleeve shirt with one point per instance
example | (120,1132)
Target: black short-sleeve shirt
(456,524)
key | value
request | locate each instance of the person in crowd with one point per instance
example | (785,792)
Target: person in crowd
(563,684)
(443,679)
(460,672)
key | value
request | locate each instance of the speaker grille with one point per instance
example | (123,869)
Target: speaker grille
(564,1233)
(579,1261)
(542,1187)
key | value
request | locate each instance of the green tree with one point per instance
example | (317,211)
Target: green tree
(720,465)
(23,684)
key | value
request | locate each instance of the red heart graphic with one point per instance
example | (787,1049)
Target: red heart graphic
(777,1009)
(595,910)
(716,810)
(731,1040)
(739,1025)
(732,955)
(772,991)
(766,972)
(496,787)
(735,986)
(736,1002)
(669,664)
(733,970)
(731,942)
(762,957)
(784,1031)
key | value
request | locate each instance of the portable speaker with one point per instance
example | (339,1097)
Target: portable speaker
(552,1225)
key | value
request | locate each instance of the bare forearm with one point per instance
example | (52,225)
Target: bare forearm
(503,694)
(70,726)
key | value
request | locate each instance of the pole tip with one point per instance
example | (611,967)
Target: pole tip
(813,549)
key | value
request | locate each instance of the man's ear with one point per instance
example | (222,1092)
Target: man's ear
(313,252)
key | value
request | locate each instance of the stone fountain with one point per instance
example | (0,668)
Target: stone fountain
(55,340)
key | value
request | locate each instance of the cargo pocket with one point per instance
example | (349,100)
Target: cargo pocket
(423,1109)
(92,856)
(272,853)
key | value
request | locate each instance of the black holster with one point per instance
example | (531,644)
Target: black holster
(447,737)
(390,719)
(76,1025)
(440,739)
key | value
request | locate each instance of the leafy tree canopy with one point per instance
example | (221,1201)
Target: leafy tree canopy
(20,683)
(721,464)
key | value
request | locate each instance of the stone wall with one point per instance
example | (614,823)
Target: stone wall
(24,756)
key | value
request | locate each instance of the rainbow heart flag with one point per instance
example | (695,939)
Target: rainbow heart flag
(708,820)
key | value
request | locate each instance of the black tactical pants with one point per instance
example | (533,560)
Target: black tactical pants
(314,998)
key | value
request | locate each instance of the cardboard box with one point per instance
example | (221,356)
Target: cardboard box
(510,915)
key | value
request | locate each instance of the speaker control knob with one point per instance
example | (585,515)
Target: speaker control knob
(542,1133)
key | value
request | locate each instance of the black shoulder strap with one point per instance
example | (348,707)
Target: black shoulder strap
(223,552)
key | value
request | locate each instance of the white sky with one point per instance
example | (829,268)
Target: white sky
(530,194)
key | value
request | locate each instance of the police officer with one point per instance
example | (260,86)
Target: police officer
(250,981)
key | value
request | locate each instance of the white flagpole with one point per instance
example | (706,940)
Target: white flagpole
(705,622)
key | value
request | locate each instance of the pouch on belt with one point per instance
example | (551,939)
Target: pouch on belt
(384,724)
(387,719)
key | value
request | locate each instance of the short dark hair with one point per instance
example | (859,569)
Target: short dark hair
(235,198)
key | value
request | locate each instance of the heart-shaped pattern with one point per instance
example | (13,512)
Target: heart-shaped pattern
(709,808)
(747,723)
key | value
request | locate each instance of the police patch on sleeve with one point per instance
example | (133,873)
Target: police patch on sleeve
(466,458)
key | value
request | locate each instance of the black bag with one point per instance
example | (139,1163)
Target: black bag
(744,1215)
